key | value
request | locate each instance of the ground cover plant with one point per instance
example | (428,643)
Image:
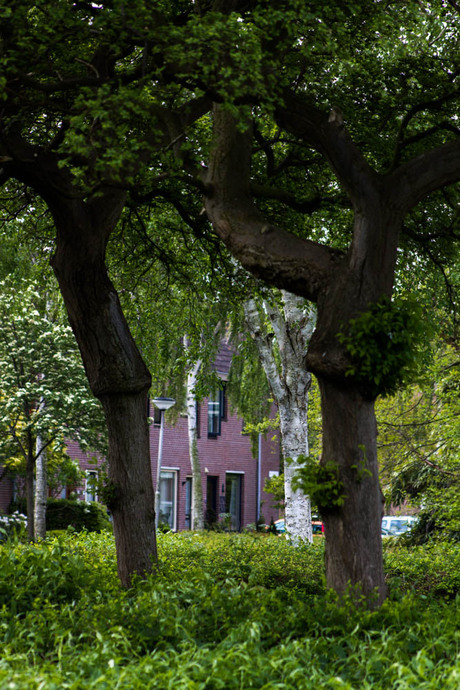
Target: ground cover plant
(225,611)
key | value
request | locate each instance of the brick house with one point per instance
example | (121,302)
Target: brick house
(232,479)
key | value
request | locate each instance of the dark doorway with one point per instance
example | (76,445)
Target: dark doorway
(210,517)
(233,491)
(188,503)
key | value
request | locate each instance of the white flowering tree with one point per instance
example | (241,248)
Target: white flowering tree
(44,396)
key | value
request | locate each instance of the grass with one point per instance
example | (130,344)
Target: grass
(224,611)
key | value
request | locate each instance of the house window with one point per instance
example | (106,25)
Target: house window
(91,486)
(233,496)
(168,491)
(216,411)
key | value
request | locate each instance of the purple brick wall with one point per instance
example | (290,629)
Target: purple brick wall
(229,452)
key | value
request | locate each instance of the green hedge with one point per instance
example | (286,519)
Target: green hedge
(63,513)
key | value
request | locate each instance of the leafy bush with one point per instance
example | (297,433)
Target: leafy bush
(224,611)
(63,513)
(433,568)
(10,525)
(388,345)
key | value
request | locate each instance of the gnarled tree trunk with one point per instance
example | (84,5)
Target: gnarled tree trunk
(115,370)
(343,285)
(352,530)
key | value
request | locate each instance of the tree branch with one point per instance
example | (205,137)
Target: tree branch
(270,252)
(329,136)
(424,174)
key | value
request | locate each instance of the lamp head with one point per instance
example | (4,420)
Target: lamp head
(163,403)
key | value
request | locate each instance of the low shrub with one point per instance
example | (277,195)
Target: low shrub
(432,568)
(63,513)
(223,611)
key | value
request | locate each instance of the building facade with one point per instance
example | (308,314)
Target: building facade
(232,479)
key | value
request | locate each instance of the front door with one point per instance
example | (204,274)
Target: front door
(233,491)
(211,516)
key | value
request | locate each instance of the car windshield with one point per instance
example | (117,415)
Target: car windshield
(397,525)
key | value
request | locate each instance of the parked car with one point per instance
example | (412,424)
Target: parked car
(318,527)
(395,525)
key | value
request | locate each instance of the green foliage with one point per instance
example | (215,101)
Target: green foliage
(251,612)
(388,344)
(419,441)
(430,569)
(275,487)
(320,482)
(80,515)
(40,363)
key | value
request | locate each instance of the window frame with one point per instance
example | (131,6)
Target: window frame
(219,399)
(91,475)
(175,476)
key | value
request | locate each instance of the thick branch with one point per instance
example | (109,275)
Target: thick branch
(263,342)
(425,174)
(271,253)
(329,136)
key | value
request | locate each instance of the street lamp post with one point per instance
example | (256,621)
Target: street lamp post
(162,404)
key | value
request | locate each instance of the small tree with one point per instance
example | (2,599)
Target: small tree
(44,398)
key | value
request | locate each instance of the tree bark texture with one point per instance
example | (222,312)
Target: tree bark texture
(115,370)
(130,489)
(197,513)
(41,488)
(30,469)
(352,530)
(290,382)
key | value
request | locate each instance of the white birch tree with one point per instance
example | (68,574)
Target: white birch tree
(41,487)
(292,323)
(197,514)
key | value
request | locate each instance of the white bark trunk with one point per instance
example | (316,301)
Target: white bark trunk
(197,515)
(41,489)
(290,384)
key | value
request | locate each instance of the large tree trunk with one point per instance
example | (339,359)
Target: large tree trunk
(130,489)
(352,530)
(115,369)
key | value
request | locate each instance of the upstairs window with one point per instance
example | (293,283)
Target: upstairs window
(216,411)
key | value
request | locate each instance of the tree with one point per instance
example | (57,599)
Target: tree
(41,485)
(292,325)
(61,143)
(44,396)
(379,193)
(125,92)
